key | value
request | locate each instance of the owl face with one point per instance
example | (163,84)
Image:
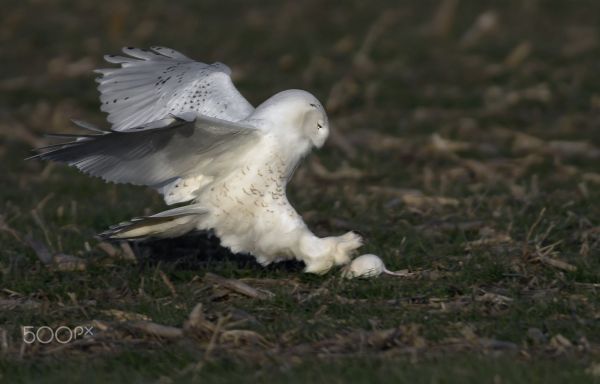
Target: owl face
(296,114)
(315,124)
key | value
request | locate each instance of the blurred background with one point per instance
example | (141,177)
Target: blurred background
(529,64)
(489,106)
(465,147)
(433,96)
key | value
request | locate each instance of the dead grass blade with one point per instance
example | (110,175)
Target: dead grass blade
(124,315)
(443,19)
(168,283)
(24,304)
(128,253)
(542,255)
(67,263)
(3,341)
(345,172)
(238,286)
(243,336)
(40,249)
(40,222)
(556,263)
(6,228)
(109,249)
(197,322)
(155,329)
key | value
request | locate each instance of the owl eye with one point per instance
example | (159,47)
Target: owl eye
(319,125)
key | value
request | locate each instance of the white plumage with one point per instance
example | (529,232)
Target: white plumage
(181,127)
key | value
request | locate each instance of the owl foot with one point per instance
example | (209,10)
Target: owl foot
(345,247)
(320,255)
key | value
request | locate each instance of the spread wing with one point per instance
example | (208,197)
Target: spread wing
(159,153)
(151,84)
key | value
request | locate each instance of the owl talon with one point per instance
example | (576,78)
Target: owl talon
(323,254)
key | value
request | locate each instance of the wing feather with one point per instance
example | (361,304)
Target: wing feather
(151,84)
(160,152)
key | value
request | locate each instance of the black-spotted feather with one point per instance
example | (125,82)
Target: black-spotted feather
(151,84)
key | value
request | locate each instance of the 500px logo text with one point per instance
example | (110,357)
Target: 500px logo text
(62,334)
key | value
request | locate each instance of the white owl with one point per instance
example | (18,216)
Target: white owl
(182,128)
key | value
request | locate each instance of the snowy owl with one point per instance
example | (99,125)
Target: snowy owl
(181,127)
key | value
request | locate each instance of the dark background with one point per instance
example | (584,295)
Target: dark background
(465,148)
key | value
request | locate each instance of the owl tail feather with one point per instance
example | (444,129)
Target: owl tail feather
(172,223)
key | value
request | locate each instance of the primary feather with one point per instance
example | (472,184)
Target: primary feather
(152,156)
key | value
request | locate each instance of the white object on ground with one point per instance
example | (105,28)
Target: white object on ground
(366,266)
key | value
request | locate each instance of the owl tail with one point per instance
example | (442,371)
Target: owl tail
(172,223)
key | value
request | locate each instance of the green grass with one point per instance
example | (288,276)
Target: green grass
(470,244)
(180,366)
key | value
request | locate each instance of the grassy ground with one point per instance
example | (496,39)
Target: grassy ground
(466,151)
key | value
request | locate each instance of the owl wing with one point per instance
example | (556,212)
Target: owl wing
(160,153)
(151,84)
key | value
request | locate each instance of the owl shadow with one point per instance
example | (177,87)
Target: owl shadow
(201,251)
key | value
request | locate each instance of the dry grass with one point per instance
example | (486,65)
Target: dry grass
(465,150)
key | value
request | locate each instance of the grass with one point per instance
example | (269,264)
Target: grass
(474,165)
(139,367)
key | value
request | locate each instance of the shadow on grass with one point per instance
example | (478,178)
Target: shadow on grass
(201,251)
